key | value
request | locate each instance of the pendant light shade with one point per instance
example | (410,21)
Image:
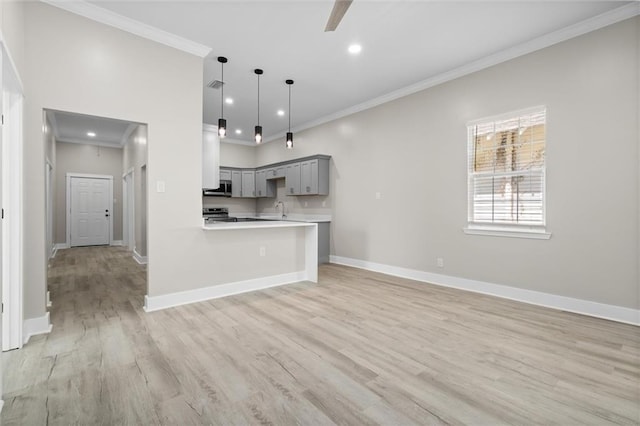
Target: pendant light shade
(222,123)
(289,139)
(258,128)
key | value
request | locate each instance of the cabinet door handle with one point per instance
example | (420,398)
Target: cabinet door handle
(308,188)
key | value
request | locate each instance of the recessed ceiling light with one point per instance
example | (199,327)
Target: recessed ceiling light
(354,49)
(229,101)
(280,112)
(91,134)
(238,131)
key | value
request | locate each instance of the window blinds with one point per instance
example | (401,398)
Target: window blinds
(506,169)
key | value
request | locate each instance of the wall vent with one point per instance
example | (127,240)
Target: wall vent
(215,84)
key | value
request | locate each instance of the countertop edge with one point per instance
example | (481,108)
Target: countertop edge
(225,226)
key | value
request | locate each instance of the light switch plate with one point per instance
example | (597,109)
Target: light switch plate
(160,186)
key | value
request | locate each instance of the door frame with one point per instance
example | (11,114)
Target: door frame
(48,189)
(12,233)
(128,209)
(71,175)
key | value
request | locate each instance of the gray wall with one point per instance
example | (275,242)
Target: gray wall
(413,151)
(88,159)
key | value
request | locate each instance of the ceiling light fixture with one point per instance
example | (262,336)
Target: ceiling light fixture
(289,143)
(91,134)
(229,101)
(354,49)
(281,113)
(258,133)
(222,123)
(238,131)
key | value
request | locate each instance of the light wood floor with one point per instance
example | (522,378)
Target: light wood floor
(357,348)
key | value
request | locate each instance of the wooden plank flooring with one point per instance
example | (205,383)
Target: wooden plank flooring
(357,348)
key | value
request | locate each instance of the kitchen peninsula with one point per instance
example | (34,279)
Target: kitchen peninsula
(248,256)
(310,271)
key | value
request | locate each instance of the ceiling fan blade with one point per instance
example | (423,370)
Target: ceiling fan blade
(337,13)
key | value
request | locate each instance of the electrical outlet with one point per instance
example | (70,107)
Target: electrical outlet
(306,204)
(440,262)
(263,251)
(324,204)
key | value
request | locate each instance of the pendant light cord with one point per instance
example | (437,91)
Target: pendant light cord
(258,99)
(289,108)
(222,96)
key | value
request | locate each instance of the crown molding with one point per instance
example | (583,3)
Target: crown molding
(592,24)
(238,142)
(90,142)
(214,129)
(54,124)
(129,25)
(125,137)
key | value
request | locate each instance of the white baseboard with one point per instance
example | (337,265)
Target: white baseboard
(48,299)
(34,326)
(116,243)
(139,258)
(579,306)
(156,303)
(60,246)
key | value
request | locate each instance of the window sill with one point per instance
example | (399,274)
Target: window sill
(507,232)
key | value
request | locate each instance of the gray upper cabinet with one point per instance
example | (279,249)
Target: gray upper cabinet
(264,187)
(304,176)
(225,174)
(236,183)
(314,177)
(292,179)
(248,184)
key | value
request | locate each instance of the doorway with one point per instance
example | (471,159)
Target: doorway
(90,207)
(128,210)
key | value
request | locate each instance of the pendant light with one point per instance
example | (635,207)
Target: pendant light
(289,142)
(222,123)
(258,133)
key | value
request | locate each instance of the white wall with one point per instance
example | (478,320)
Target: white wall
(90,159)
(413,151)
(236,155)
(98,70)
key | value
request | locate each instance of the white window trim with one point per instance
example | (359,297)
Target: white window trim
(494,229)
(536,233)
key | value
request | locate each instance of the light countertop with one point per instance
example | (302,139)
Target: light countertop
(221,226)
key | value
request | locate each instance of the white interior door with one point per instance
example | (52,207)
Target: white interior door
(90,211)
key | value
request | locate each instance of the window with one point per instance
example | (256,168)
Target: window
(506,173)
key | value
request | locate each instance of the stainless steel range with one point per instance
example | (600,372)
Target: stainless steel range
(217,214)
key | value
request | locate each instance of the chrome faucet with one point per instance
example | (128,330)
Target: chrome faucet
(282,204)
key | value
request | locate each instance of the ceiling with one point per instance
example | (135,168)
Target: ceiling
(75,128)
(404,44)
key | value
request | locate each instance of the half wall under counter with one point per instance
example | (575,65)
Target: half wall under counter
(249,256)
